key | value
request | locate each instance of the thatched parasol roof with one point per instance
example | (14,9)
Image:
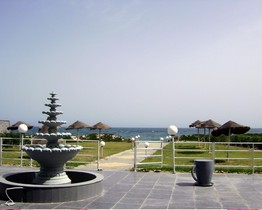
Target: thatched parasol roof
(16,125)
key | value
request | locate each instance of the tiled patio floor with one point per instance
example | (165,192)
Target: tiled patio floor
(130,190)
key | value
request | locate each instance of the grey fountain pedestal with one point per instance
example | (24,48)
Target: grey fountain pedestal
(51,169)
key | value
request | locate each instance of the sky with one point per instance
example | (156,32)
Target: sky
(133,63)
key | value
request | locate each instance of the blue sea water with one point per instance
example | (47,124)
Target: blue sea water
(144,133)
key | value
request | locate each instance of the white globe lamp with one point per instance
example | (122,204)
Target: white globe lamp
(172,130)
(102,143)
(146,144)
(22,128)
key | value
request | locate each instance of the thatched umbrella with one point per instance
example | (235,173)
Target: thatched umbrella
(210,125)
(230,128)
(16,125)
(78,125)
(100,126)
(196,124)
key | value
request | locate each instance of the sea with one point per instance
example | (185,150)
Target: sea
(148,134)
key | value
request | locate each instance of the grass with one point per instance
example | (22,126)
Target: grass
(187,152)
(89,152)
(11,154)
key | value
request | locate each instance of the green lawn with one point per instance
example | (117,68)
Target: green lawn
(11,154)
(187,152)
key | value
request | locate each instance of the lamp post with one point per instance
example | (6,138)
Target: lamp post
(146,146)
(102,144)
(134,140)
(172,131)
(22,128)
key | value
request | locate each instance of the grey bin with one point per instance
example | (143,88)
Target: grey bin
(202,172)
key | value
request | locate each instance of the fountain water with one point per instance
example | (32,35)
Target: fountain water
(52,183)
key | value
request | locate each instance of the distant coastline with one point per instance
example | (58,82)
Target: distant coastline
(144,133)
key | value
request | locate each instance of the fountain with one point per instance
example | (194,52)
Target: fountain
(52,183)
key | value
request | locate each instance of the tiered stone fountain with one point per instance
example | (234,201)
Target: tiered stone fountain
(52,168)
(51,183)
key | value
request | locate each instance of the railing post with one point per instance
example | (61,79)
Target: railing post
(21,151)
(1,154)
(31,160)
(98,156)
(135,155)
(173,155)
(253,158)
(213,150)
(162,154)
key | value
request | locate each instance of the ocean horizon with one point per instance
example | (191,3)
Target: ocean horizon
(144,133)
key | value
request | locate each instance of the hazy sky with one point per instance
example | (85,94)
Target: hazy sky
(137,63)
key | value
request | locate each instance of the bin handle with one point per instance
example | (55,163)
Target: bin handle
(193,173)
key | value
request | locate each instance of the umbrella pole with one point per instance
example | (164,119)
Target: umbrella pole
(77,130)
(204,138)
(229,134)
(99,134)
(209,133)
(198,136)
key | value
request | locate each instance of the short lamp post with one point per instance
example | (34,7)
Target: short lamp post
(146,146)
(135,140)
(102,144)
(22,129)
(100,154)
(172,131)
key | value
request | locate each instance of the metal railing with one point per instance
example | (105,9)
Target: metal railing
(11,153)
(147,149)
(91,151)
(223,153)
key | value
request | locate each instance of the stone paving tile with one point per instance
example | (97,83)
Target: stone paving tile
(207,204)
(143,186)
(131,200)
(234,205)
(126,206)
(137,195)
(110,197)
(159,196)
(120,188)
(75,205)
(254,204)
(100,205)
(189,204)
(151,203)
(139,188)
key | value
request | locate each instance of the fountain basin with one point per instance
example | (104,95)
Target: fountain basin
(20,187)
